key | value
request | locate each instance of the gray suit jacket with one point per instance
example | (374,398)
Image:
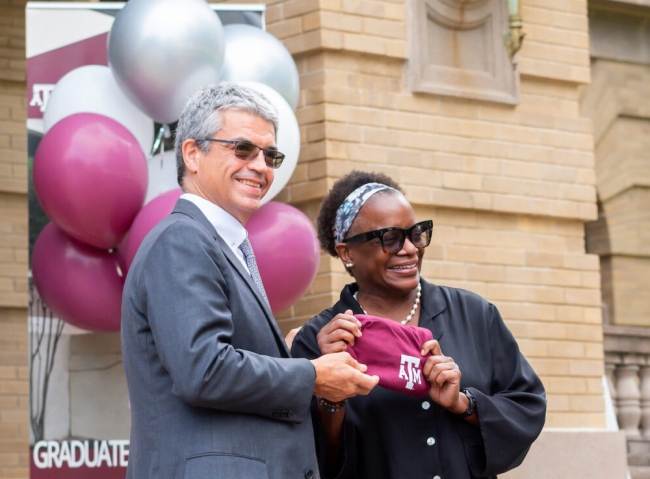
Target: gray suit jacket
(213,390)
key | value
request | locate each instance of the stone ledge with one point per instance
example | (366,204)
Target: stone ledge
(13,300)
(11,185)
(574,453)
(628,339)
(640,472)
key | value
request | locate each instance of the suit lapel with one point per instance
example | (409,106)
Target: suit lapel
(190,209)
(234,261)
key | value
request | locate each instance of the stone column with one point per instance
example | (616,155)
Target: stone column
(628,400)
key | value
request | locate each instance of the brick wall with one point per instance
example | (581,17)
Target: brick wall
(14,386)
(618,102)
(508,188)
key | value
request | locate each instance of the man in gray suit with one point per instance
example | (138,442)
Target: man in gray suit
(214,392)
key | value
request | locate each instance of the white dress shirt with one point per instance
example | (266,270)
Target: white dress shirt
(231,230)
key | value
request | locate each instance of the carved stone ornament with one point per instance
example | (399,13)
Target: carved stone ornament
(457,49)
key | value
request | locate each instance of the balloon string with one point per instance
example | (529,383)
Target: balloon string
(164,131)
(162,156)
(156,143)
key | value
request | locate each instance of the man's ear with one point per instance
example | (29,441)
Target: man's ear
(191,155)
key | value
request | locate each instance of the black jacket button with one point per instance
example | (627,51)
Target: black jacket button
(309,474)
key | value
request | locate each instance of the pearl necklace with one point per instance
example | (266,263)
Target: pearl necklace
(413,309)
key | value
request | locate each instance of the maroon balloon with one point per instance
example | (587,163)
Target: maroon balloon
(79,283)
(287,252)
(148,217)
(90,176)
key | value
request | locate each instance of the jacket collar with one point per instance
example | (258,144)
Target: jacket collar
(190,209)
(433,303)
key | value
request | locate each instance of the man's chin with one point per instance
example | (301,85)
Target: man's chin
(250,206)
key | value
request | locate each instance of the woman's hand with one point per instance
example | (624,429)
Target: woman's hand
(289,337)
(444,376)
(342,330)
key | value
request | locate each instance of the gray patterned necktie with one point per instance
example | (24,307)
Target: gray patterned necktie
(247,249)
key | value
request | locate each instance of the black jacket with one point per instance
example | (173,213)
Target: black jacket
(389,435)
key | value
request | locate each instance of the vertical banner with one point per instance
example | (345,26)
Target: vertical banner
(92,169)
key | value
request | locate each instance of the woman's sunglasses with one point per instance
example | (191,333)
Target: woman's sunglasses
(247,151)
(392,238)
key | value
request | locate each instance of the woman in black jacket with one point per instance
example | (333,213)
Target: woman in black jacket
(485,406)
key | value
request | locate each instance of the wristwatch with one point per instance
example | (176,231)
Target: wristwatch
(472,403)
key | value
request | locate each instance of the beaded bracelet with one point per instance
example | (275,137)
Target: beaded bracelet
(331,406)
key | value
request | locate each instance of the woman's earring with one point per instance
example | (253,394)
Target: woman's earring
(349,265)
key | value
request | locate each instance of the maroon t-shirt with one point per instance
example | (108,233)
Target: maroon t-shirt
(392,352)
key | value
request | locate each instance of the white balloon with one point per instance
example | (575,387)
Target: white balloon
(162,175)
(93,89)
(257,56)
(287,138)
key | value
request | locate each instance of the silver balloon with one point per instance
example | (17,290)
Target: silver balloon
(162,51)
(255,55)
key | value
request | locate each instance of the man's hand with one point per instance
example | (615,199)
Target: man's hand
(339,376)
(338,333)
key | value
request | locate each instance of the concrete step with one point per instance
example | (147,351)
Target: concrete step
(639,472)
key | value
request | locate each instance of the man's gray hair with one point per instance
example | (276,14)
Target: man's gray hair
(201,116)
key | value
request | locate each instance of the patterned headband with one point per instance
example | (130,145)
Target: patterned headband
(350,208)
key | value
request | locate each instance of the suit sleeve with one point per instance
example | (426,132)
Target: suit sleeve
(192,323)
(305,345)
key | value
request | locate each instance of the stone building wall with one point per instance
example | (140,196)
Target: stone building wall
(14,388)
(508,187)
(619,101)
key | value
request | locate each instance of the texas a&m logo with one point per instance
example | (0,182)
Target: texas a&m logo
(409,370)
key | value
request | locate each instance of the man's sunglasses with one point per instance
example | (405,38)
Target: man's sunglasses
(245,150)
(392,238)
